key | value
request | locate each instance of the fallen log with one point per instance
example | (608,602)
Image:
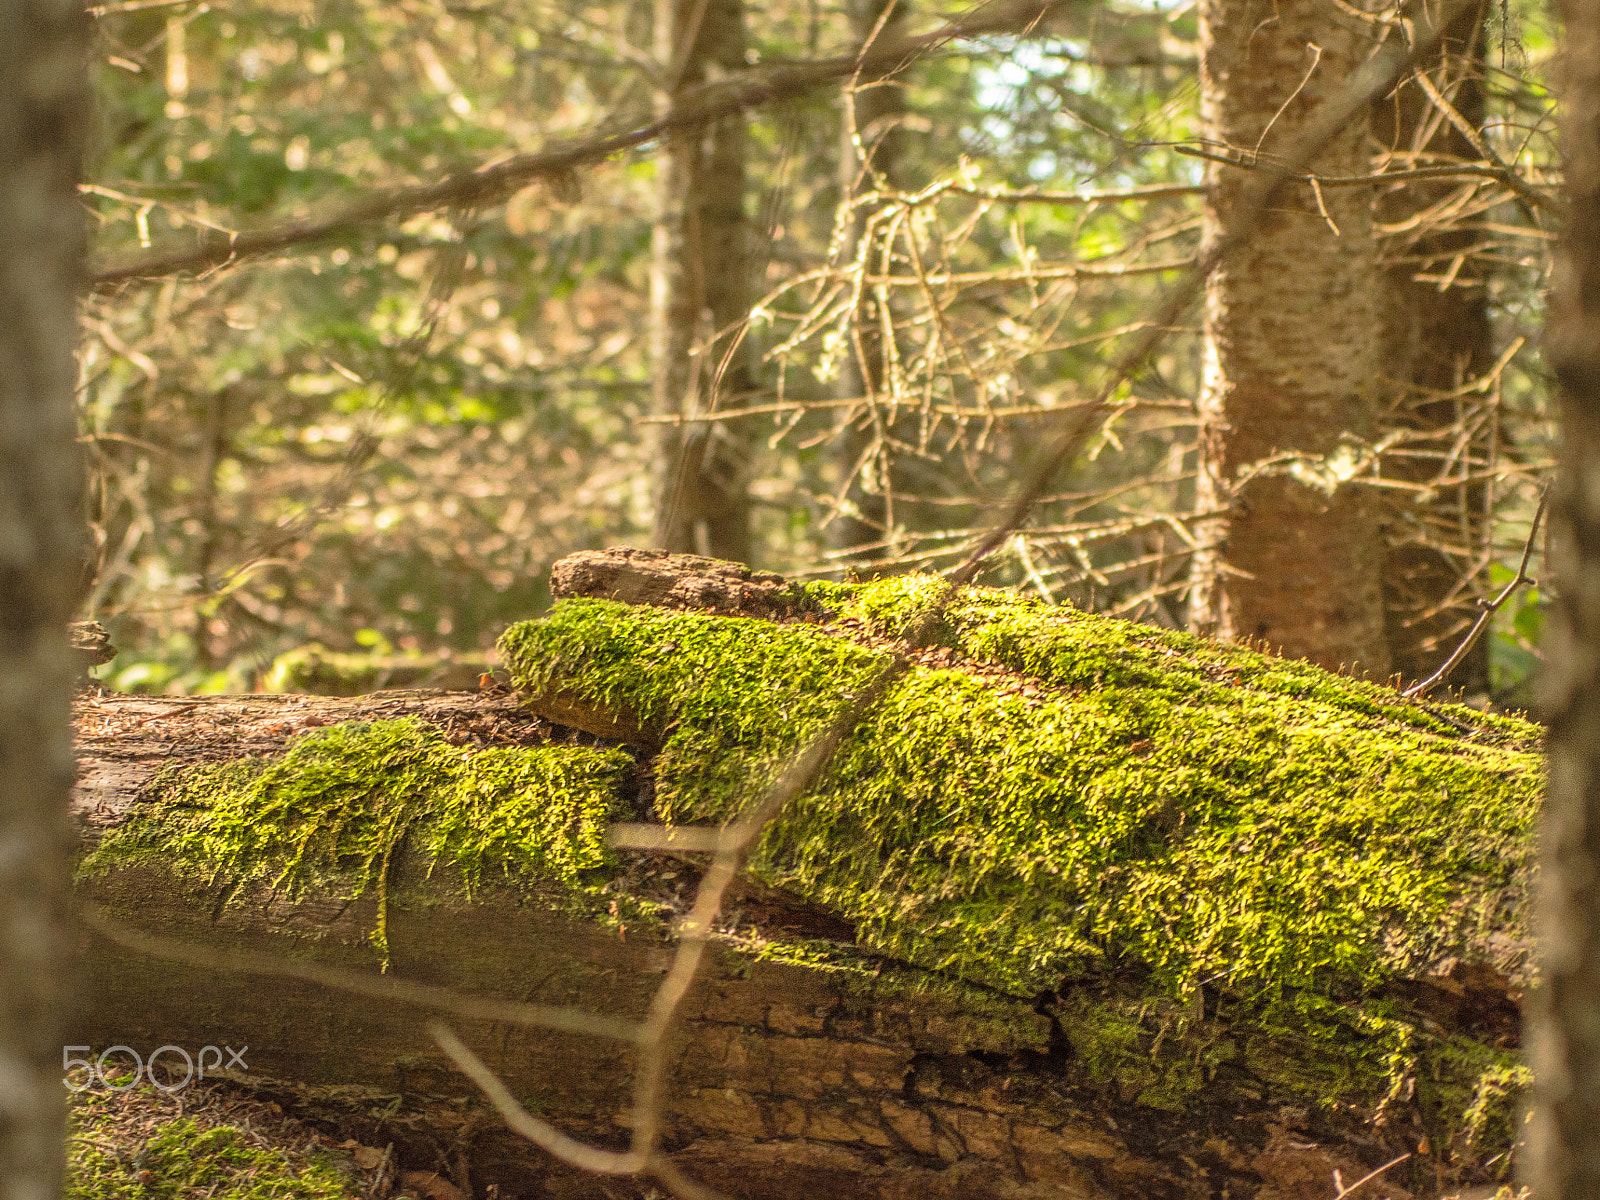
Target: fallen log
(1084,909)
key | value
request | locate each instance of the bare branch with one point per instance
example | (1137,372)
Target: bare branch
(494,181)
(540,1133)
(1489,608)
(1495,169)
(1365,1179)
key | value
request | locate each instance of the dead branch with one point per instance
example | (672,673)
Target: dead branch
(1487,610)
(494,181)
(1344,1191)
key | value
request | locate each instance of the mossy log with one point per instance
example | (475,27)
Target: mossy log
(1085,909)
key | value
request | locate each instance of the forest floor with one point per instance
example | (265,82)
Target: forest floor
(222,1143)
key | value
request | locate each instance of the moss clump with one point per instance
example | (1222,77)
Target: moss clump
(1285,838)
(181,1160)
(335,808)
(1222,816)
(315,669)
(1490,1119)
(1085,650)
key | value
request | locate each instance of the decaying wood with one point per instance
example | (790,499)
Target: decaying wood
(91,645)
(788,1081)
(675,581)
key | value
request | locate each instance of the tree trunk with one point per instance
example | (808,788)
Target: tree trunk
(1437,336)
(1566,1017)
(1290,366)
(700,292)
(44,120)
(817,1057)
(864,453)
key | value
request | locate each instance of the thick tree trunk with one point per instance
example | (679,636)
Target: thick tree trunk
(1291,343)
(700,287)
(1437,336)
(813,1059)
(1566,1017)
(44,118)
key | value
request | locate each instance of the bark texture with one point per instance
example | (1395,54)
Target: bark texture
(44,113)
(676,581)
(700,287)
(1437,336)
(1565,1045)
(1290,363)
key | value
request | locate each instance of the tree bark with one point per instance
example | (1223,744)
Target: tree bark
(1565,1043)
(1436,337)
(1290,366)
(44,119)
(700,291)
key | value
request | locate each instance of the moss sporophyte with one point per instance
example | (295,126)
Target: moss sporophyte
(1287,837)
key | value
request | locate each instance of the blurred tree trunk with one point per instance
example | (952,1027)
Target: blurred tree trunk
(867,468)
(1291,345)
(44,118)
(1437,336)
(1565,1014)
(700,286)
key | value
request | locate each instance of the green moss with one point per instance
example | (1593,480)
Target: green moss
(180,1160)
(1277,828)
(1084,650)
(335,808)
(1287,837)
(315,669)
(1490,1118)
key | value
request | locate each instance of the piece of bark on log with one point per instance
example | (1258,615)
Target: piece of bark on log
(655,577)
(788,1080)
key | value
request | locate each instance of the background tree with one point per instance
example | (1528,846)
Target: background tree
(380,438)
(1439,339)
(700,291)
(1291,362)
(44,118)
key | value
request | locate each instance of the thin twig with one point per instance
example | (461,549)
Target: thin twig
(1486,170)
(1488,607)
(1365,1179)
(541,1133)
